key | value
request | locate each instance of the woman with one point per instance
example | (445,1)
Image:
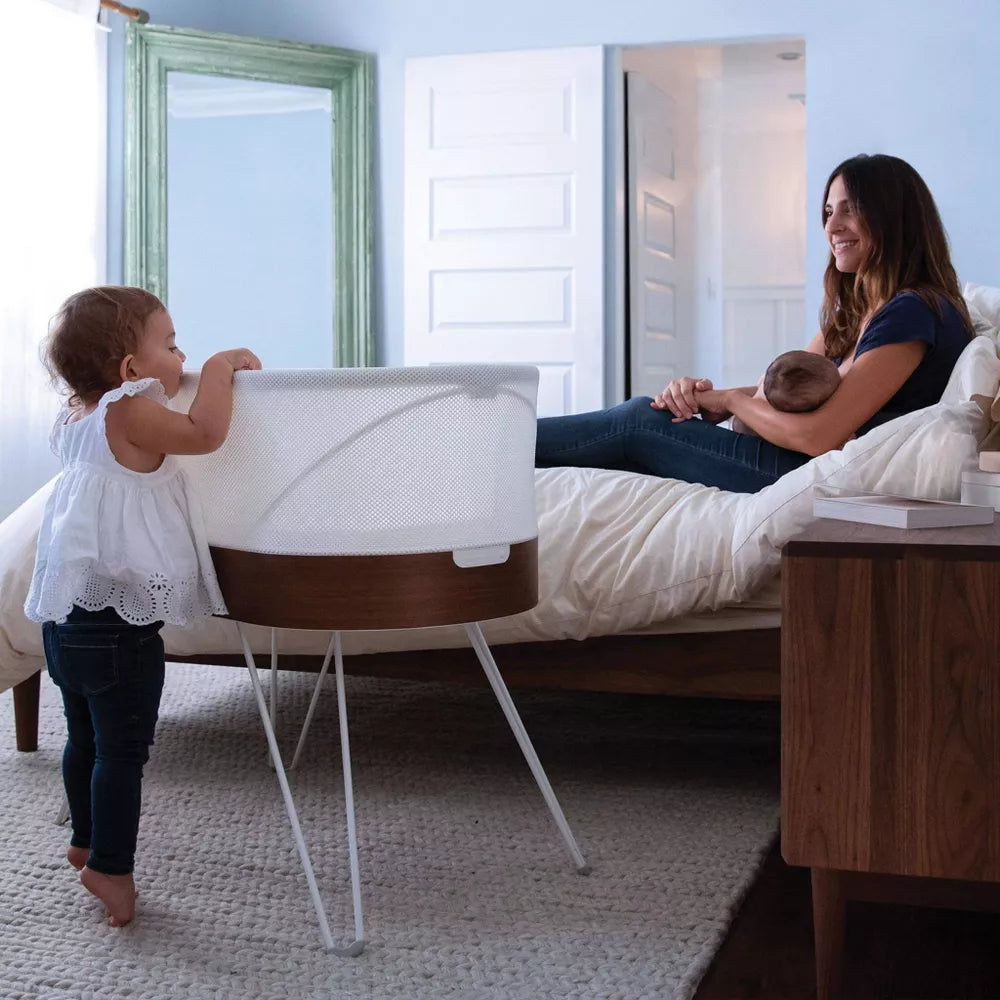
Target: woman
(893,320)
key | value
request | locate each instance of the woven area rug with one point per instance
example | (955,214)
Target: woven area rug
(468,888)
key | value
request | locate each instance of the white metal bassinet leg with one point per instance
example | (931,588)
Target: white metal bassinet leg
(314,701)
(357,945)
(273,688)
(273,706)
(335,651)
(475,634)
(62,817)
(493,675)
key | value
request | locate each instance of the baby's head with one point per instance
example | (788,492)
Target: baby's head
(104,336)
(797,381)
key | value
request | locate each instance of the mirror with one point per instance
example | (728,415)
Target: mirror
(248,193)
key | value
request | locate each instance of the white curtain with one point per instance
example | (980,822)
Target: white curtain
(53,106)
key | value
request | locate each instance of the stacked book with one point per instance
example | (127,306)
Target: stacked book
(901,512)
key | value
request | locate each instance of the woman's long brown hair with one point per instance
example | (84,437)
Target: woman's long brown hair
(907,250)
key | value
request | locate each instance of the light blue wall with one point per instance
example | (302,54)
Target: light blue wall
(917,78)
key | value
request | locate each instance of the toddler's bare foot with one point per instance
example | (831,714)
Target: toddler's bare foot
(116,892)
(77,856)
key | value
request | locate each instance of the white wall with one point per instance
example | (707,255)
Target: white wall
(763,209)
(763,166)
(915,78)
(765,222)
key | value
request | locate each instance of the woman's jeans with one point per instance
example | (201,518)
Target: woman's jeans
(633,437)
(110,674)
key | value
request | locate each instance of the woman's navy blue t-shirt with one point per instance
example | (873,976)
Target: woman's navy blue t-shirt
(905,318)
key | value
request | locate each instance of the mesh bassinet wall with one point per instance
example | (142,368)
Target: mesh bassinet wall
(375,498)
(325,469)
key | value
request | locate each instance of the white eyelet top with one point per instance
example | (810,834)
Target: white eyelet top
(114,538)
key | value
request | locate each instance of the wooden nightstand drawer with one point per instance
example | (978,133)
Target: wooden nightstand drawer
(890,708)
(890,721)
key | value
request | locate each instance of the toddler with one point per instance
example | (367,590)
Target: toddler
(795,382)
(120,552)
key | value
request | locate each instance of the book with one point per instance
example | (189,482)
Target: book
(901,512)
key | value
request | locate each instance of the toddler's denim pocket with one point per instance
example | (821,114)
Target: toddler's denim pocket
(87,661)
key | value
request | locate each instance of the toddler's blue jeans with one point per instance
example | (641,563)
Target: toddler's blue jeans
(633,437)
(110,675)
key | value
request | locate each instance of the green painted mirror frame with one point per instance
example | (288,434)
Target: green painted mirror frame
(152,52)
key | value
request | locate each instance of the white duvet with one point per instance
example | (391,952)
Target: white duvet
(619,551)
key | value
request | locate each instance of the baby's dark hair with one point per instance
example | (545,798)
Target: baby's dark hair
(91,334)
(797,381)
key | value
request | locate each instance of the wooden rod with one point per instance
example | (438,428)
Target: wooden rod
(135,13)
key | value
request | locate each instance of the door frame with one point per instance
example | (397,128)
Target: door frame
(151,51)
(616,228)
(615,213)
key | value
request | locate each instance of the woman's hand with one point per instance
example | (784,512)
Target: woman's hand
(685,397)
(679,397)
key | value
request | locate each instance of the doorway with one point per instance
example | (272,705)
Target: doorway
(716,211)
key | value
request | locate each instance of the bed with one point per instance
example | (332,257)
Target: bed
(645,585)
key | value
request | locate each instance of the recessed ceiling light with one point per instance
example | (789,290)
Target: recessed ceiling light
(789,56)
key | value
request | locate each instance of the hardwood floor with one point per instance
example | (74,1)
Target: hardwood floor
(893,952)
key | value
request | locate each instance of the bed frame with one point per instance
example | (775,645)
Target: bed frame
(741,664)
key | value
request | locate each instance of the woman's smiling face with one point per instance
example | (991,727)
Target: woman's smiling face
(844,230)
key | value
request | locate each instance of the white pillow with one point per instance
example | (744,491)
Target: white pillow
(984,308)
(920,454)
(977,372)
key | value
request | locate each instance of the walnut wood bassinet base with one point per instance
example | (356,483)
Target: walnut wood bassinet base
(741,664)
(374,592)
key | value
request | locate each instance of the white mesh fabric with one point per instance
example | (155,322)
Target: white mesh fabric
(372,461)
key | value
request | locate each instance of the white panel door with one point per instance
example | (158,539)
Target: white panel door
(504,218)
(660,228)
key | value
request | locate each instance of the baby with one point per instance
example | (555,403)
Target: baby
(795,382)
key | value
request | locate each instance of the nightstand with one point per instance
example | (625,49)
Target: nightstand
(890,714)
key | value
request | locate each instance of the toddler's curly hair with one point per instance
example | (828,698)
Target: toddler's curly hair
(92,332)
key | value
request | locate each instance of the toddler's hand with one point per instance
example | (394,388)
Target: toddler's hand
(240,359)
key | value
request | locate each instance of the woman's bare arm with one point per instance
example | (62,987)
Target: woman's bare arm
(866,387)
(717,416)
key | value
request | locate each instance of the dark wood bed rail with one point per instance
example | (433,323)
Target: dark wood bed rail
(742,665)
